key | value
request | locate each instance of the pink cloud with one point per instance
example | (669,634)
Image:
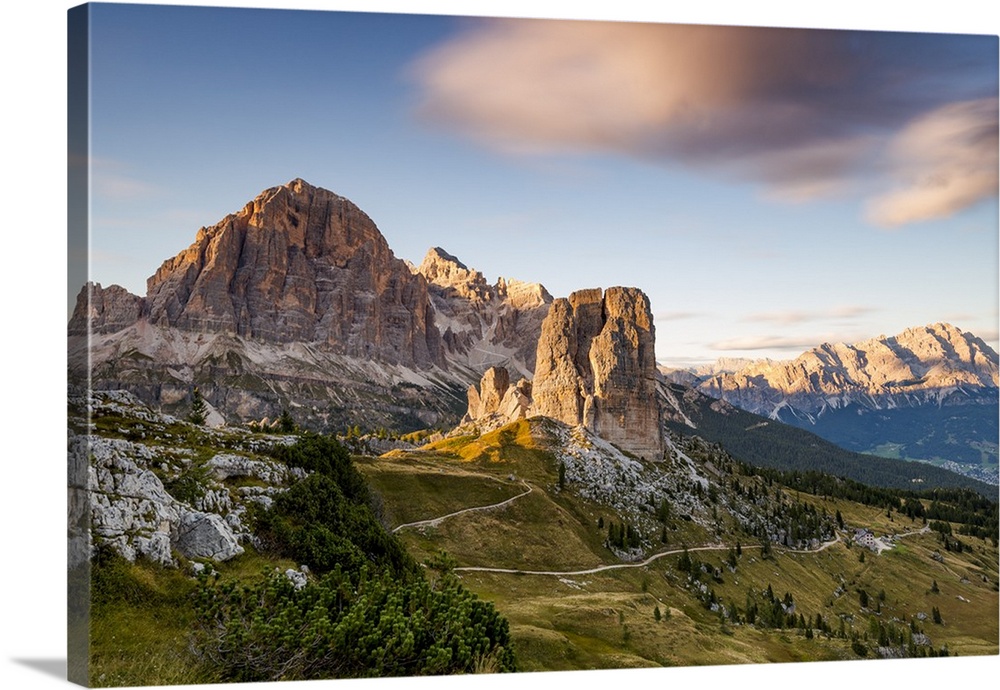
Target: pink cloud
(803,114)
(942,162)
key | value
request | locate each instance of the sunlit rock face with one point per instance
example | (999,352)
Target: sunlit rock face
(484,325)
(596,367)
(299,264)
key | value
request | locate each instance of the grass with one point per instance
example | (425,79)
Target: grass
(606,620)
(141,621)
(418,491)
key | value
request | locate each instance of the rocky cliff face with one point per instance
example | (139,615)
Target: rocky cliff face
(295,302)
(939,364)
(299,264)
(484,325)
(104,310)
(596,367)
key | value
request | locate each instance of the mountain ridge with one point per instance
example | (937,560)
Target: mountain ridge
(929,393)
(297,302)
(933,361)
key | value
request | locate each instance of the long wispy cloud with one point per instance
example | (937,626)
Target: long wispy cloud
(802,113)
(795,317)
(766,342)
(677,315)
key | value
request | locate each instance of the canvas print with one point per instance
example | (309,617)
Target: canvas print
(407,345)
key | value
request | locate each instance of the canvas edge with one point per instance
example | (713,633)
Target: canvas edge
(78,234)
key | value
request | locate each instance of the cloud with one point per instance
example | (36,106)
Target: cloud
(676,315)
(795,317)
(942,162)
(110,182)
(766,342)
(803,114)
(785,317)
(851,311)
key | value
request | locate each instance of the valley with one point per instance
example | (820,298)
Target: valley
(574,604)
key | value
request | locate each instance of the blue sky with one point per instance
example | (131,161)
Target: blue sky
(769,189)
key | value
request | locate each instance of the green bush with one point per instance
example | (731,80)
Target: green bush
(338,628)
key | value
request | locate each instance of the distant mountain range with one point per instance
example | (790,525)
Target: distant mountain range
(928,393)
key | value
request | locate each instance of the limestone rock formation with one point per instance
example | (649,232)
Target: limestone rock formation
(132,512)
(484,325)
(128,500)
(104,310)
(596,367)
(486,399)
(496,401)
(296,301)
(299,264)
(445,271)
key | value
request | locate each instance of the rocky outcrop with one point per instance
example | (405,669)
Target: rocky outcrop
(104,310)
(937,364)
(299,264)
(486,399)
(133,513)
(205,535)
(497,402)
(128,498)
(446,272)
(596,367)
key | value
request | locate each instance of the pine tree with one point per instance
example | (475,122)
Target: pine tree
(286,424)
(562,475)
(199,410)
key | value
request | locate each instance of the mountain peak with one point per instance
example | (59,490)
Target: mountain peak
(446,271)
(439,256)
(298,264)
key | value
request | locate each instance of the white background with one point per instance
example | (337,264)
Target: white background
(32,385)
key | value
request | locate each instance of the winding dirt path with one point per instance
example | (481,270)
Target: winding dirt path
(599,569)
(662,554)
(434,522)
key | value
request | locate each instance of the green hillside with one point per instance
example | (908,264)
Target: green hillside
(532,547)
(713,601)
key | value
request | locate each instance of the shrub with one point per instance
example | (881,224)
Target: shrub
(338,628)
